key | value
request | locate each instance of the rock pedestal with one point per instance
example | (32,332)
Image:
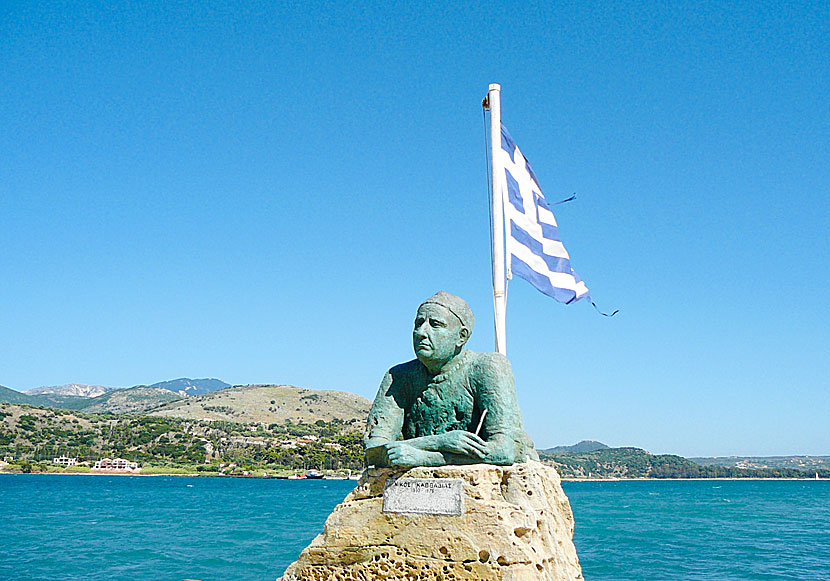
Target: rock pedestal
(516,525)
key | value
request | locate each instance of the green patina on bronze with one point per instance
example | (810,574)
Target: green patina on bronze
(427,410)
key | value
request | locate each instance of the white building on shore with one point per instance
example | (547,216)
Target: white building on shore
(118,464)
(65,461)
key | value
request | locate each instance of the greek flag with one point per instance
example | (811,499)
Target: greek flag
(533,248)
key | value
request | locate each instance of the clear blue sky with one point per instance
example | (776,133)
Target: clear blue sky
(266,192)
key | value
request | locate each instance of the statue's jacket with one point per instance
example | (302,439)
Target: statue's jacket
(412,402)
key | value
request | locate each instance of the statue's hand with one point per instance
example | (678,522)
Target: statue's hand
(464,443)
(402,454)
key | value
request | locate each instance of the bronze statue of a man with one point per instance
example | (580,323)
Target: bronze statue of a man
(428,410)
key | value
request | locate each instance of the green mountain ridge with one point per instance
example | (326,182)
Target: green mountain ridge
(637,463)
(47,400)
(11,396)
(583,446)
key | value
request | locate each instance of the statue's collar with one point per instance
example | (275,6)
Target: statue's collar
(456,364)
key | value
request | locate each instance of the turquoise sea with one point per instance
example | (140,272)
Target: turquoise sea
(122,527)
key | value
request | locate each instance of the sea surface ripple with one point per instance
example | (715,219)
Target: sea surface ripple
(107,527)
(702,529)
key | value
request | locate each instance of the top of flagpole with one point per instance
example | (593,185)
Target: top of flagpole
(494,87)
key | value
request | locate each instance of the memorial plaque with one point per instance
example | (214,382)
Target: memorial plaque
(424,496)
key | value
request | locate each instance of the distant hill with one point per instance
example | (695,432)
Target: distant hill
(187,387)
(134,400)
(67,402)
(583,446)
(271,404)
(11,396)
(763,462)
(617,463)
(119,401)
(72,389)
(637,463)
(209,398)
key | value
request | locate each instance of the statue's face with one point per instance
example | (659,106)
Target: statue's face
(438,335)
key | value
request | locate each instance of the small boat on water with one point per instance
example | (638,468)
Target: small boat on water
(314,475)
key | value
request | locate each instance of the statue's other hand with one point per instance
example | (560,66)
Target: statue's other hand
(464,443)
(402,454)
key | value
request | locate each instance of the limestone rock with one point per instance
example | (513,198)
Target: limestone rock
(517,525)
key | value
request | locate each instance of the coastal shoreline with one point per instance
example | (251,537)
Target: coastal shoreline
(8,472)
(717,479)
(569,480)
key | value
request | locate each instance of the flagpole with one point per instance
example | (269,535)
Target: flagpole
(499,295)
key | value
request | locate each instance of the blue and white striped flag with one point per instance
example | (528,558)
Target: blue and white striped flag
(533,248)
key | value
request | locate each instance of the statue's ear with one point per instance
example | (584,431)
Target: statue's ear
(463,335)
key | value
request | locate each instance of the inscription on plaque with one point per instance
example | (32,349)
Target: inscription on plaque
(424,496)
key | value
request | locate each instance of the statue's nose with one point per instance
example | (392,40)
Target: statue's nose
(421,330)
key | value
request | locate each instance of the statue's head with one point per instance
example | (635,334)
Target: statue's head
(443,324)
